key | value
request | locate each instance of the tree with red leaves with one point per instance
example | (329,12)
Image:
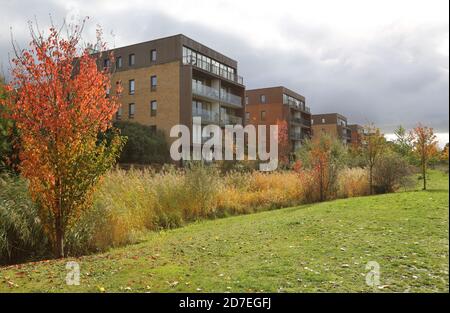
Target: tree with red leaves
(62,113)
(284,147)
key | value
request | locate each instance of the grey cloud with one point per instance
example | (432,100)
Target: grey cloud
(391,78)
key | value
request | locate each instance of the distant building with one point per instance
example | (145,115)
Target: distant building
(357,132)
(266,106)
(333,124)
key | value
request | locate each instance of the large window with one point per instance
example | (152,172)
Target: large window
(263,98)
(194,58)
(131,110)
(153,107)
(131,86)
(294,102)
(131,59)
(263,116)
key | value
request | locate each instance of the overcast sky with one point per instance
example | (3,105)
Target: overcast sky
(372,61)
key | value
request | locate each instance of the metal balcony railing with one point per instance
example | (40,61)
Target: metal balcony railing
(215,94)
(213,69)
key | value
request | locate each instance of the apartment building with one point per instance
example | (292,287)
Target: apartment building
(265,106)
(170,80)
(333,124)
(357,132)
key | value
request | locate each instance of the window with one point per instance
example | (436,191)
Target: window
(263,98)
(153,55)
(131,86)
(131,110)
(153,107)
(153,82)
(108,91)
(323,121)
(312,121)
(247,116)
(119,62)
(119,113)
(263,115)
(106,63)
(153,129)
(131,59)
(246,100)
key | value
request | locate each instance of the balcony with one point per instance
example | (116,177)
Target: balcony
(301,120)
(298,105)
(213,69)
(216,95)
(230,120)
(208,117)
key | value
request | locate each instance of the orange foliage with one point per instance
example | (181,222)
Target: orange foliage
(61,108)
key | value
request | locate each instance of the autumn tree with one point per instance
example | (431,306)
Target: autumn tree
(284,147)
(61,112)
(373,146)
(324,157)
(424,147)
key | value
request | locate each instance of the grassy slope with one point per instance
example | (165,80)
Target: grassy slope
(321,247)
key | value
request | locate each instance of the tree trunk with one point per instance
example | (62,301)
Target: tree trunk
(370,180)
(424,175)
(59,244)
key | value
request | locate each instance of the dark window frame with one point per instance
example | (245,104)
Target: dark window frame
(131,91)
(153,112)
(153,55)
(119,62)
(153,86)
(262,116)
(262,98)
(131,59)
(131,105)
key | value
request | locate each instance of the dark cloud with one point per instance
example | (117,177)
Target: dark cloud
(390,78)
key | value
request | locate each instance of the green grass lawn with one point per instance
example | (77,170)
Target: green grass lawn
(311,248)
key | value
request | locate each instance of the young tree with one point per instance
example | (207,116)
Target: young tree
(373,146)
(324,157)
(402,144)
(284,147)
(425,147)
(60,111)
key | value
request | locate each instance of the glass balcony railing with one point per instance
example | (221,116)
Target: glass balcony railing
(298,105)
(213,69)
(208,117)
(300,120)
(230,120)
(215,94)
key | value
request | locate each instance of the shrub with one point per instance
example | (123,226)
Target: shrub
(144,145)
(391,171)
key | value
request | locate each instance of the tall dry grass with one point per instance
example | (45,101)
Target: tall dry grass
(131,202)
